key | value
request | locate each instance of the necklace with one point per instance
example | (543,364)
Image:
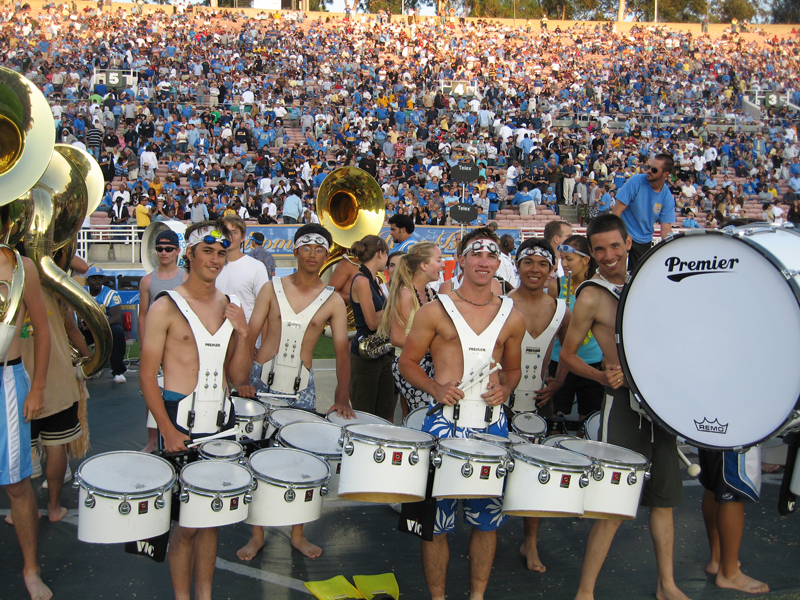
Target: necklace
(475,303)
(429,295)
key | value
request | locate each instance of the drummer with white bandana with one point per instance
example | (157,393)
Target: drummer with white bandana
(447,329)
(196,365)
(290,314)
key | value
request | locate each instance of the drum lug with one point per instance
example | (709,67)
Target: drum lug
(379,455)
(254,487)
(466,469)
(217,504)
(647,475)
(632,479)
(544,476)
(348,448)
(501,471)
(341,441)
(584,480)
(124,508)
(598,473)
(413,458)
(248,497)
(510,465)
(323,491)
(789,273)
(249,427)
(436,459)
(76,483)
(159,501)
(184,496)
(290,495)
(90,501)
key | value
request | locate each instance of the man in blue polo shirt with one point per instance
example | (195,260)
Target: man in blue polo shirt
(112,304)
(642,201)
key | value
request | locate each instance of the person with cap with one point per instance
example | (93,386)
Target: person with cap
(110,301)
(255,244)
(167,276)
(196,365)
(243,275)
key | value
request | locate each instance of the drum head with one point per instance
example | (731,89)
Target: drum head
(126,472)
(389,433)
(221,449)
(604,452)
(273,403)
(492,439)
(592,426)
(471,447)
(215,475)
(289,466)
(283,416)
(245,407)
(529,424)
(705,321)
(551,456)
(361,418)
(515,438)
(416,418)
(553,440)
(317,438)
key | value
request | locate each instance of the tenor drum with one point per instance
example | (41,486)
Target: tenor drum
(250,417)
(546,482)
(321,439)
(515,438)
(226,450)
(591,426)
(124,496)
(503,442)
(273,402)
(618,476)
(283,416)
(530,426)
(720,404)
(553,440)
(468,469)
(384,463)
(416,418)
(290,486)
(361,418)
(214,493)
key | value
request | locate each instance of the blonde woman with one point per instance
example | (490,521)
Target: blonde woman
(410,289)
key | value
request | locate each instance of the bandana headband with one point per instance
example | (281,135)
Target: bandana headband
(199,235)
(536,251)
(484,245)
(312,239)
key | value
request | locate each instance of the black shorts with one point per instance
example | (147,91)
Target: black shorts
(733,477)
(590,393)
(58,429)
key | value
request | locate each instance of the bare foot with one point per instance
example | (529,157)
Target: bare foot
(670,593)
(10,521)
(251,549)
(36,587)
(307,548)
(532,558)
(57,514)
(150,448)
(742,583)
(712,568)
(769,467)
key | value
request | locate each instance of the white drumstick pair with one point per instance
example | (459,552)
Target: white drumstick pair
(481,376)
(234,431)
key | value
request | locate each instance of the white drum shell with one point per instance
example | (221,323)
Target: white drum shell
(104,523)
(250,417)
(231,484)
(774,451)
(397,478)
(321,439)
(469,469)
(292,498)
(546,482)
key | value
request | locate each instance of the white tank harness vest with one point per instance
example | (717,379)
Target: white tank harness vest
(285,372)
(208,407)
(472,410)
(534,351)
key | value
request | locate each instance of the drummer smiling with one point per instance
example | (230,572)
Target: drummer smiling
(595,309)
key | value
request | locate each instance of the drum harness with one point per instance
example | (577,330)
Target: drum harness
(477,352)
(285,372)
(533,355)
(208,408)
(616,291)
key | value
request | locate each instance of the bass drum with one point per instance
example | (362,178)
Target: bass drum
(149,256)
(696,374)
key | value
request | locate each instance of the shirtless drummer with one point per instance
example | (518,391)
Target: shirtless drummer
(595,309)
(195,400)
(291,312)
(447,329)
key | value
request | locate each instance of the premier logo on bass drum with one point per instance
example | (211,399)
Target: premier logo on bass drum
(689,268)
(714,426)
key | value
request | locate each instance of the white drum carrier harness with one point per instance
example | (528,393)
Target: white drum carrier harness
(209,406)
(534,350)
(472,411)
(285,373)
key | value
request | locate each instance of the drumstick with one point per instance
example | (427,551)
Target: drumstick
(275,395)
(234,431)
(691,468)
(469,383)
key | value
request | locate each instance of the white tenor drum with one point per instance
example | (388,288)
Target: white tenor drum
(226,450)
(698,379)
(591,426)
(361,418)
(553,440)
(515,438)
(214,493)
(124,496)
(273,402)
(618,476)
(416,418)
(283,416)
(503,442)
(250,417)
(321,439)
(530,426)
(546,482)
(468,469)
(384,463)
(289,487)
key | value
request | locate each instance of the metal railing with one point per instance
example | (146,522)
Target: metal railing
(112,236)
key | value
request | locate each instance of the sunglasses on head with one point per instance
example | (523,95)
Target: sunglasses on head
(165,248)
(570,250)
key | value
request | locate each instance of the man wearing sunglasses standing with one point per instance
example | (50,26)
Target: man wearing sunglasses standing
(167,276)
(643,200)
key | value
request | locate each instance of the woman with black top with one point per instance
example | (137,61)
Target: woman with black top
(371,383)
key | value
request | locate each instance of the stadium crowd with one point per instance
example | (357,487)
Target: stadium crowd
(232,114)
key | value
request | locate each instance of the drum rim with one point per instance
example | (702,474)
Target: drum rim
(408,416)
(277,425)
(282,482)
(140,494)
(249,417)
(731,232)
(503,442)
(286,444)
(224,458)
(483,458)
(349,434)
(610,462)
(541,462)
(517,430)
(201,491)
(357,412)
